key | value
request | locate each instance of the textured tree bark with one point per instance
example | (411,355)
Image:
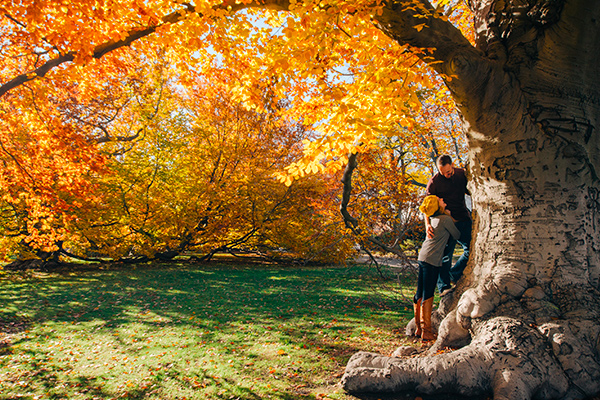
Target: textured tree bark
(529,303)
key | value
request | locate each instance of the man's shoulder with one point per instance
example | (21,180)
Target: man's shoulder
(435,178)
(430,188)
(459,171)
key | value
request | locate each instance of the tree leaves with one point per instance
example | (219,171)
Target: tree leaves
(328,68)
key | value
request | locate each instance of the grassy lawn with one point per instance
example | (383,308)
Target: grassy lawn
(183,332)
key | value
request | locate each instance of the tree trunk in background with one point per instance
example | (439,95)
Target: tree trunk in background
(529,302)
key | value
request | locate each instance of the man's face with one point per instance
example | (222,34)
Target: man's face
(446,170)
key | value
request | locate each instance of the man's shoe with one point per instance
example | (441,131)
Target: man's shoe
(446,290)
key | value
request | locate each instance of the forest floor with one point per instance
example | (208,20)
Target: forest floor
(187,331)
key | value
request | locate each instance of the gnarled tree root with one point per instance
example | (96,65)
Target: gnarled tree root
(505,357)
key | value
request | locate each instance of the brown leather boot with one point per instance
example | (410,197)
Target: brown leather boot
(417,310)
(427,332)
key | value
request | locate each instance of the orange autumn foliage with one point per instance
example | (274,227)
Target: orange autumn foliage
(185,170)
(76,103)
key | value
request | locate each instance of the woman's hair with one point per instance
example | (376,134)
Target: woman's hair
(440,211)
(431,206)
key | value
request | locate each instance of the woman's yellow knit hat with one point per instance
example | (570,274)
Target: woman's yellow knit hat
(430,205)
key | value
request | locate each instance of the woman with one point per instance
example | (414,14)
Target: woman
(430,259)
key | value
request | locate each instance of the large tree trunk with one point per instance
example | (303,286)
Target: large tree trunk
(529,302)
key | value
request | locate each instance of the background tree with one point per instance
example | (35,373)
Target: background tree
(527,90)
(184,171)
(202,180)
(380,202)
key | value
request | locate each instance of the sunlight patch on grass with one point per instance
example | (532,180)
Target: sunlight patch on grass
(166,333)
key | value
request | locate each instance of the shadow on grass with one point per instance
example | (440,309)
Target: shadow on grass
(307,308)
(216,295)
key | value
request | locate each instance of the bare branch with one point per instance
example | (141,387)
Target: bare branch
(349,220)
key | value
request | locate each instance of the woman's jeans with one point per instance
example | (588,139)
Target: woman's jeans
(428,276)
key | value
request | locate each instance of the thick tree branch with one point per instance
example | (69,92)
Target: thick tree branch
(418,24)
(445,49)
(398,21)
(130,37)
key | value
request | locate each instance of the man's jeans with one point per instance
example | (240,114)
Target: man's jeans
(447,272)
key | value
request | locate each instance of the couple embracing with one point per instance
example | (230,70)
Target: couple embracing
(448,221)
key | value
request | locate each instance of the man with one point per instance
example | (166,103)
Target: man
(450,184)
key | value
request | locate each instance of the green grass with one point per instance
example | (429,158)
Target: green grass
(166,332)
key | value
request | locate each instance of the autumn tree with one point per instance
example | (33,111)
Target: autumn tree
(182,171)
(384,182)
(525,315)
(201,181)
